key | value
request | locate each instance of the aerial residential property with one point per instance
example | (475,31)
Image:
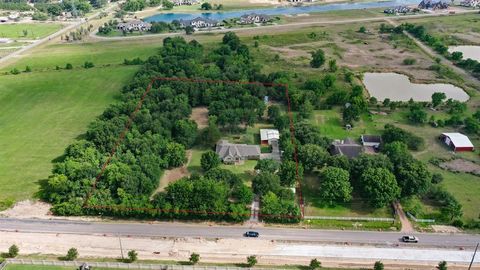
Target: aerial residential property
(199,22)
(254,18)
(231,153)
(239,134)
(134,25)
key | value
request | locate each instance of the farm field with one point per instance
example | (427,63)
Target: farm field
(32,30)
(43,112)
(463,29)
(100,53)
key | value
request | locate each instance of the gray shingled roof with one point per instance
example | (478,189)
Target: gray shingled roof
(225,149)
(347,148)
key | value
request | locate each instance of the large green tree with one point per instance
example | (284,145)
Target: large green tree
(379,187)
(335,186)
(312,156)
(288,173)
(265,182)
(209,160)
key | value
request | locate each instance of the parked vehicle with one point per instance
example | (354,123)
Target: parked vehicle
(251,234)
(409,239)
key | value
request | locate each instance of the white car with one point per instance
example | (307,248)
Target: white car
(409,239)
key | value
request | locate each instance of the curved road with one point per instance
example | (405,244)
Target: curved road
(165,229)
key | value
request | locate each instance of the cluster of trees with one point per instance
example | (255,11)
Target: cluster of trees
(75,7)
(274,186)
(137,5)
(420,32)
(392,133)
(208,6)
(20,5)
(78,34)
(219,194)
(158,136)
(108,27)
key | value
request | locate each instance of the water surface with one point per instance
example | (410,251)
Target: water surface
(397,87)
(220,16)
(469,51)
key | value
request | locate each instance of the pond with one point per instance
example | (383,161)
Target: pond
(397,87)
(220,16)
(469,51)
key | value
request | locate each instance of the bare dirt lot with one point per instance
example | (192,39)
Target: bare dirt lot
(200,116)
(461,165)
(369,51)
(232,250)
(175,174)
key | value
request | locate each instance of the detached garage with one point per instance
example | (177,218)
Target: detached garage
(457,141)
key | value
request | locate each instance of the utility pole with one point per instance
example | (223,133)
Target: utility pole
(473,257)
(121,248)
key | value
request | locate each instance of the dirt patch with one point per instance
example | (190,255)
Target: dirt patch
(173,175)
(268,252)
(445,229)
(28,209)
(288,53)
(461,165)
(200,116)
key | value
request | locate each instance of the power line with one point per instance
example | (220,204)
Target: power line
(473,257)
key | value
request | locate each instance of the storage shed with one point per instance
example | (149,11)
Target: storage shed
(457,141)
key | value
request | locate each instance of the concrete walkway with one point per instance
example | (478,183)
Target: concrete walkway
(254,210)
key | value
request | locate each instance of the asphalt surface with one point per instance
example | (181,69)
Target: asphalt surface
(165,229)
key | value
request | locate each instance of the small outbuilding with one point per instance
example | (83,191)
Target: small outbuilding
(267,136)
(457,141)
(371,140)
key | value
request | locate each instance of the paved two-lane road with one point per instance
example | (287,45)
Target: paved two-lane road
(166,229)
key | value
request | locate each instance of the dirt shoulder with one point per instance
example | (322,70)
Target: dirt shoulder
(268,252)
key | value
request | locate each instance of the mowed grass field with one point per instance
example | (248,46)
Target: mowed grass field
(33,30)
(42,112)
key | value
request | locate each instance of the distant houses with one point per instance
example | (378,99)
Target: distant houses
(254,18)
(185,2)
(470,3)
(231,153)
(433,4)
(398,9)
(199,22)
(457,142)
(134,25)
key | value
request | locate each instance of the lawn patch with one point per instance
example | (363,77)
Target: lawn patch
(43,112)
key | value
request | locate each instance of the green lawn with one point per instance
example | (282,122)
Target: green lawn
(101,54)
(33,30)
(357,207)
(41,113)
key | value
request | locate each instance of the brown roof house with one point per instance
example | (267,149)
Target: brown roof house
(347,147)
(231,153)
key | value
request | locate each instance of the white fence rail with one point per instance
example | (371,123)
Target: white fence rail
(120,265)
(420,219)
(351,218)
(2,265)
